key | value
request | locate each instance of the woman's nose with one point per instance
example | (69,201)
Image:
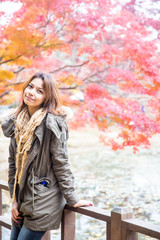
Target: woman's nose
(31,92)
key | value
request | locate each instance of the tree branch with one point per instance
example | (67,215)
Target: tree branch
(69,66)
(10,60)
(68,88)
(94,74)
(19,70)
(60,29)
(4,93)
(14,84)
(45,24)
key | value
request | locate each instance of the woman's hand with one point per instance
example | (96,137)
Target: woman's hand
(15,212)
(83,203)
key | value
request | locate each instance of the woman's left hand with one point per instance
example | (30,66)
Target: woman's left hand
(83,203)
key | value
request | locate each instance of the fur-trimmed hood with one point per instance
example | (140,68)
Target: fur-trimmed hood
(53,122)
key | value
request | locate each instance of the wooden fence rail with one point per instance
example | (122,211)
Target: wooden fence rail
(120,224)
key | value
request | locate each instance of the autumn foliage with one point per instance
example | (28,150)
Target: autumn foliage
(103,56)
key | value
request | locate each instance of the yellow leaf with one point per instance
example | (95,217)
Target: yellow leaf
(4,75)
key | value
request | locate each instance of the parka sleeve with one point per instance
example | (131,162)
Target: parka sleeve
(61,166)
(12,167)
(8,131)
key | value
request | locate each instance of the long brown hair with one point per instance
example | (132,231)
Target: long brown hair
(52,101)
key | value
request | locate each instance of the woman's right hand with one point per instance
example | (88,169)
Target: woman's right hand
(83,203)
(15,212)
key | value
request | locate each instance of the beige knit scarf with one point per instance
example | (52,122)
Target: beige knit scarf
(24,133)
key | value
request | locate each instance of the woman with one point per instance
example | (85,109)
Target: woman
(40,180)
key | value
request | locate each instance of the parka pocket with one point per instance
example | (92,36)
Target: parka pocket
(40,185)
(40,200)
(47,196)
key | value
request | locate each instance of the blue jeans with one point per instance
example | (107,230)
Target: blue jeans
(25,234)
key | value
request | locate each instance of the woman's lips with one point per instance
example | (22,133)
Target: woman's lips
(29,99)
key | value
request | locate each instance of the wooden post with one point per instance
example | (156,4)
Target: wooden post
(47,236)
(108,231)
(68,225)
(129,235)
(117,231)
(0,211)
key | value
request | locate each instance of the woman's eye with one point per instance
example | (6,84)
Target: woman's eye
(39,91)
(30,86)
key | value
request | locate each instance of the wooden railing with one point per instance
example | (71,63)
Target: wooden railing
(120,224)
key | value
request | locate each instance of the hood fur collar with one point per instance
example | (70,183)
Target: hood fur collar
(54,123)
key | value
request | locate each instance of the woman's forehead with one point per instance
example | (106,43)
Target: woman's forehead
(37,82)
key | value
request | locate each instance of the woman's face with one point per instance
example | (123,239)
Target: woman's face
(34,94)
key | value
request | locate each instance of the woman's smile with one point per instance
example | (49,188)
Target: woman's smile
(29,98)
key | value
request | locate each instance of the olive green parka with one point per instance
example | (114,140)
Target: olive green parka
(42,205)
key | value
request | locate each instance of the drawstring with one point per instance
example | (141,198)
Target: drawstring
(33,187)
